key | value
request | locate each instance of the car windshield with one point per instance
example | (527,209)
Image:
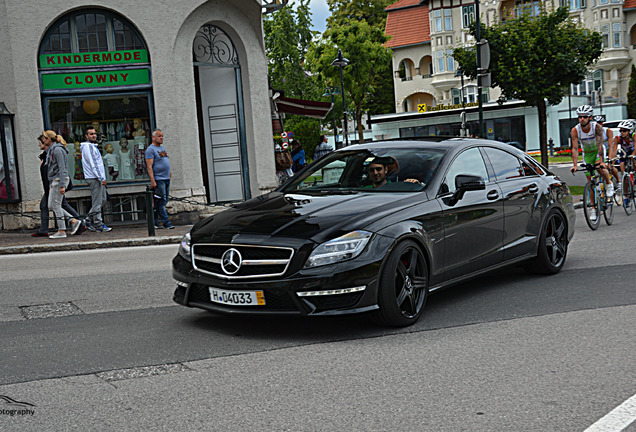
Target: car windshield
(368,170)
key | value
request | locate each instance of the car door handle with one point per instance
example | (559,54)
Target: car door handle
(492,195)
(533,188)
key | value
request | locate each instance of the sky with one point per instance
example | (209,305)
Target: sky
(319,14)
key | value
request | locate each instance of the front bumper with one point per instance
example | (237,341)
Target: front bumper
(281,293)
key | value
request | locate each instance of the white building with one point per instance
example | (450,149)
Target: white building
(424,35)
(195,69)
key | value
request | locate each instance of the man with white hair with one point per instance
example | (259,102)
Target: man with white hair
(158,164)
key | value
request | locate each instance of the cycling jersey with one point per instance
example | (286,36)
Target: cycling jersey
(628,147)
(588,143)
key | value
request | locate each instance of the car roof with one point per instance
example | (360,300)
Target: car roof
(433,142)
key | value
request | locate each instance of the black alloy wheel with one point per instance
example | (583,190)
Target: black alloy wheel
(403,286)
(553,245)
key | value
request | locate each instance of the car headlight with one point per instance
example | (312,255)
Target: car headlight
(185,248)
(339,249)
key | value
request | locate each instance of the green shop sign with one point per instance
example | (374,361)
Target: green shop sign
(110,78)
(93,58)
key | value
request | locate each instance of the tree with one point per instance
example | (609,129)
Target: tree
(535,58)
(382,100)
(363,46)
(288,36)
(631,94)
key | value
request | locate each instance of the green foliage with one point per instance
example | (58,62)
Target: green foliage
(288,36)
(631,94)
(306,130)
(370,61)
(535,58)
(370,11)
(382,99)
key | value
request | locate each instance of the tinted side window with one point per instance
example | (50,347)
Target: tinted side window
(506,166)
(469,162)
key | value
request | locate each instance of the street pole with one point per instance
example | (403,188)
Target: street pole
(344,108)
(478,37)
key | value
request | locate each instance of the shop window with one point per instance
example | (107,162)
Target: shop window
(95,71)
(123,132)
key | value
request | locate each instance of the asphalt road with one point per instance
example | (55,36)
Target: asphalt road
(508,351)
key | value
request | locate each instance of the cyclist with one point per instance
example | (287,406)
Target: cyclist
(625,140)
(608,146)
(590,135)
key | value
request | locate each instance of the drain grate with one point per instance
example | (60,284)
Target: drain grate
(140,372)
(50,310)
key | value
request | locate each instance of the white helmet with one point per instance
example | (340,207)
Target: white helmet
(626,124)
(585,110)
(599,118)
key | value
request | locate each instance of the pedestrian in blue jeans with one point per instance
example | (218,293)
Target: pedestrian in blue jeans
(158,164)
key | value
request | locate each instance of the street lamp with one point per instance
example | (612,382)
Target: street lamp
(332,92)
(342,62)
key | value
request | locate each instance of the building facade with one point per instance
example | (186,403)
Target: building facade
(424,33)
(194,69)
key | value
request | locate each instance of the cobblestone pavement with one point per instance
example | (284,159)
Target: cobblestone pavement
(15,242)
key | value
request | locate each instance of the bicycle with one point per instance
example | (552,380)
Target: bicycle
(628,186)
(594,198)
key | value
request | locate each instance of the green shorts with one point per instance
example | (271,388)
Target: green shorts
(590,158)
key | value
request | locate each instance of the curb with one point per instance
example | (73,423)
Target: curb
(13,250)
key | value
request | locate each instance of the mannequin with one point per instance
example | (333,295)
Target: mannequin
(111,160)
(125,156)
(138,127)
(79,170)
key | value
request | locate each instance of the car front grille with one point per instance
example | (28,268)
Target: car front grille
(233,261)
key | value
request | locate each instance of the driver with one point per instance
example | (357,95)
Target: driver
(378,170)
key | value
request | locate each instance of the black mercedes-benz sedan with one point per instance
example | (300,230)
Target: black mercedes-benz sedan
(377,227)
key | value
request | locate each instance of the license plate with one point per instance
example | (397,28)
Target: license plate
(237,298)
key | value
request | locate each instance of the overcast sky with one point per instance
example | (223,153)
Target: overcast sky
(319,14)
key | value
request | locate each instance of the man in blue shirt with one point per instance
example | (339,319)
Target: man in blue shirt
(158,164)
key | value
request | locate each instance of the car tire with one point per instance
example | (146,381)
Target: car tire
(403,286)
(553,245)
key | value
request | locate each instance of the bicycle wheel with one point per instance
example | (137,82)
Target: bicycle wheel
(607,204)
(628,190)
(618,192)
(589,197)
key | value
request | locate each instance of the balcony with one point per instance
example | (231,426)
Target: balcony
(613,58)
(445,81)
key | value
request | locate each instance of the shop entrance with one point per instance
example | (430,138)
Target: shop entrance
(220,112)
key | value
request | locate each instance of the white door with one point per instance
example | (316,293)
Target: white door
(220,114)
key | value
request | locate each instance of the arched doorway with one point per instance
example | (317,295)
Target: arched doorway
(217,74)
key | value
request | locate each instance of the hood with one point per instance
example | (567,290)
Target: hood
(301,216)
(56,145)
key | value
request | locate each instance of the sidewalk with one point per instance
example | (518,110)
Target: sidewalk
(19,242)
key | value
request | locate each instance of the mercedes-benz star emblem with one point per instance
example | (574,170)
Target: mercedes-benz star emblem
(231,261)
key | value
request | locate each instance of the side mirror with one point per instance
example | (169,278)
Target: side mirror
(465,183)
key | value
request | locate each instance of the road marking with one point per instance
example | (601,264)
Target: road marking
(617,419)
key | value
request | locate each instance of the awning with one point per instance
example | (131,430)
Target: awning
(303,107)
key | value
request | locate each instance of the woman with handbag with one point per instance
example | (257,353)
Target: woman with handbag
(58,177)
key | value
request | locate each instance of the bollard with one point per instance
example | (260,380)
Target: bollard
(150,216)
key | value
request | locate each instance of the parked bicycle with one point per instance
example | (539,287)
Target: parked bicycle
(628,185)
(595,200)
